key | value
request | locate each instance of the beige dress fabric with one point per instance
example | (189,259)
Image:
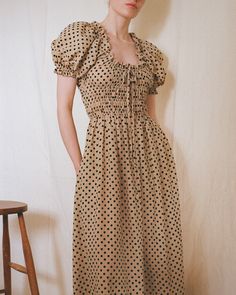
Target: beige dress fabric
(127,236)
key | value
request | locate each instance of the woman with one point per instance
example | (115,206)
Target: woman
(127,236)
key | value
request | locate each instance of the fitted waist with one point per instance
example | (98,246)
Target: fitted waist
(115,109)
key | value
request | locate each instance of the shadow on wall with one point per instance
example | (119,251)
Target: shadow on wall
(153,15)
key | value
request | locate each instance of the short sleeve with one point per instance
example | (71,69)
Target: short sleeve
(73,49)
(64,52)
(159,70)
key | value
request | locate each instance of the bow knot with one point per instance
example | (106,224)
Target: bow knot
(129,76)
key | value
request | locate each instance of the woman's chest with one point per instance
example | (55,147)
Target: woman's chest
(108,73)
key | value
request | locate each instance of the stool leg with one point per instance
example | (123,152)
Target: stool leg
(28,257)
(6,256)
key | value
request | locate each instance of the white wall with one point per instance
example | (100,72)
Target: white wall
(196,108)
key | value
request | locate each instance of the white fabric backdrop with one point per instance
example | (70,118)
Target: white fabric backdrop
(196,109)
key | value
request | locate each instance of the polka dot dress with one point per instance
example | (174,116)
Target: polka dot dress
(127,236)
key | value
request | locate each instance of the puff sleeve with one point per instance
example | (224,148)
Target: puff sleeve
(158,69)
(72,49)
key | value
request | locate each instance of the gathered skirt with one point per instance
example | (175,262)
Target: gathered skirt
(127,236)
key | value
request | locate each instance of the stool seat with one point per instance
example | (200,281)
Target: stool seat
(12,207)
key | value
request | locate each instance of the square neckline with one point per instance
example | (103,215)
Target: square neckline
(136,44)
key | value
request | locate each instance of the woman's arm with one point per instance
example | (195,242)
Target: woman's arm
(66,87)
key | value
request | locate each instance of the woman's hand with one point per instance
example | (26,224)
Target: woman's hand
(77,170)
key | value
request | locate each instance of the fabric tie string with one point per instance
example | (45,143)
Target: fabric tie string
(128,79)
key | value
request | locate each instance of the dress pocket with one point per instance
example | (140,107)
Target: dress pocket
(83,159)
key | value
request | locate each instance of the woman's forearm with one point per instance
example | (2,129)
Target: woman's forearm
(69,135)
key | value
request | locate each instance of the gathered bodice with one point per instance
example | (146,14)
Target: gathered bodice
(83,51)
(112,86)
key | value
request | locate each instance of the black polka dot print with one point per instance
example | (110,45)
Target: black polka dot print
(127,236)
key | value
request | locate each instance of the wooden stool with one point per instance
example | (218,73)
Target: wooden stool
(12,207)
